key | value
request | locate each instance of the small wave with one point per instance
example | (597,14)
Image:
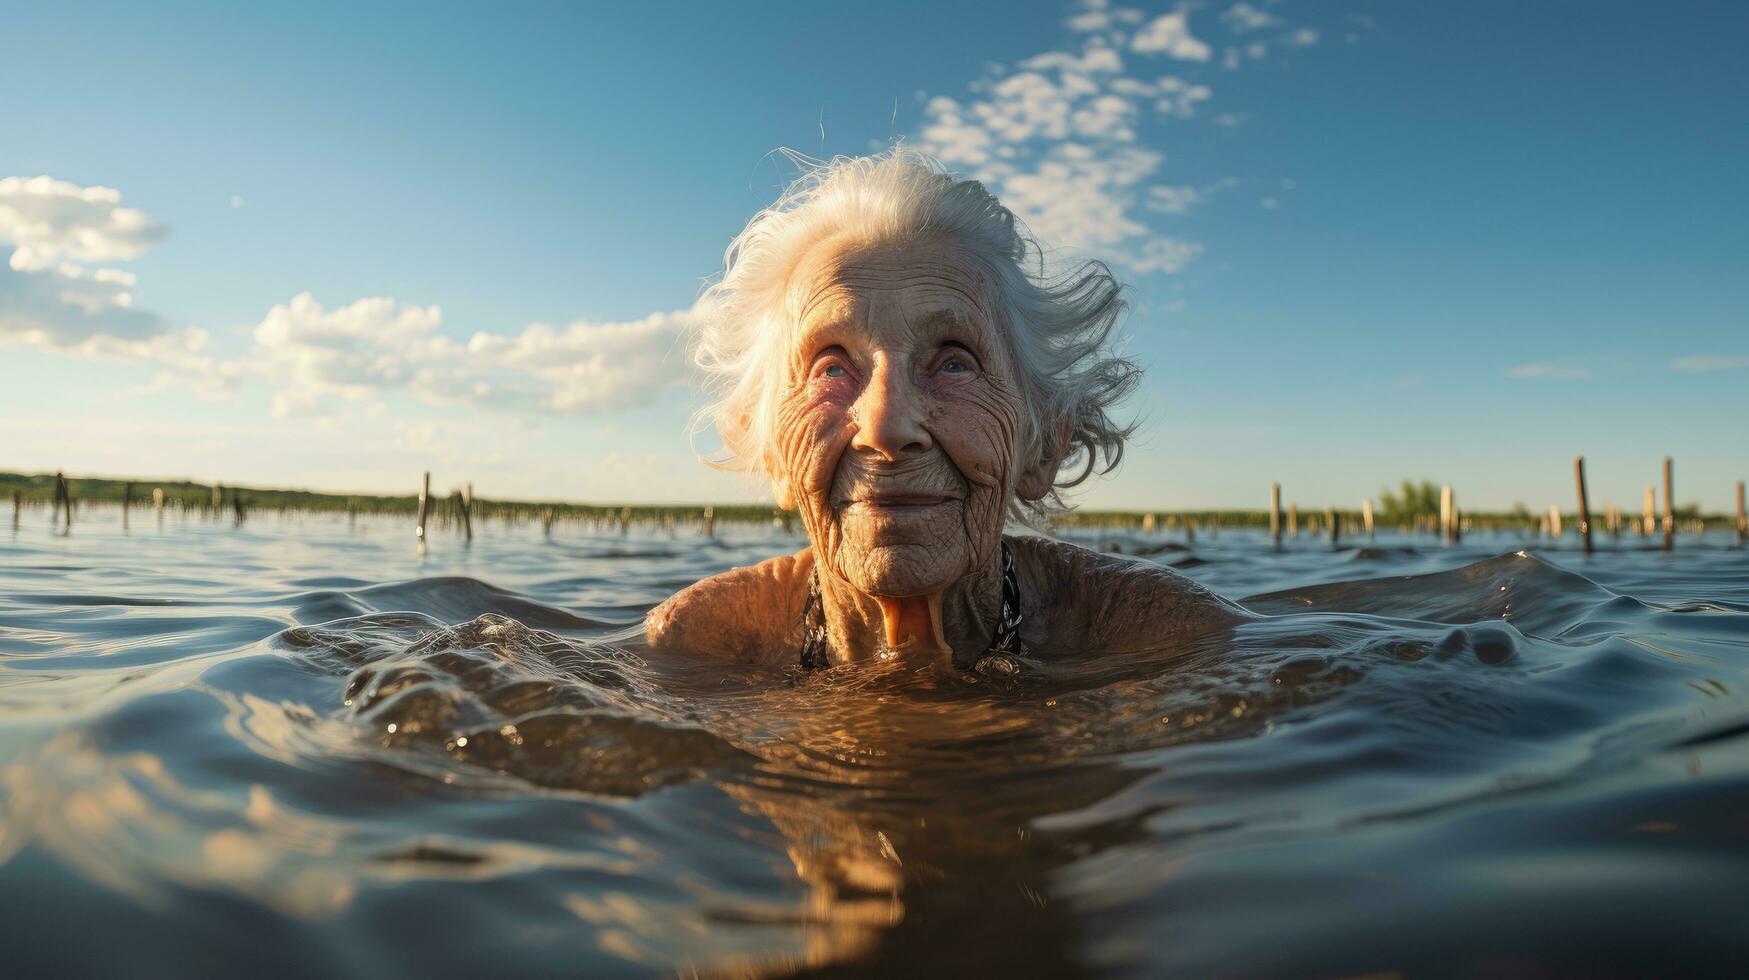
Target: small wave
(1533,594)
(497,694)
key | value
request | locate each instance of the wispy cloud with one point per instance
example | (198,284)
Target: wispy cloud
(1549,372)
(1067,137)
(1242,18)
(1169,34)
(1706,363)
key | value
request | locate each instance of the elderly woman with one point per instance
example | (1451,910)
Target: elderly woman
(887,349)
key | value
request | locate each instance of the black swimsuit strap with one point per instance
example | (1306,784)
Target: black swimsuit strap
(1006,639)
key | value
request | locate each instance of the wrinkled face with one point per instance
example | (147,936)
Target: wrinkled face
(897,434)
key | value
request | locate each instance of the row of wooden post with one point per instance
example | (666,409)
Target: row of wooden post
(1648,524)
(1450,522)
(463,499)
(1449,518)
(1332,519)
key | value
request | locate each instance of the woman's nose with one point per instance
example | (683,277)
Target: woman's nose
(890,414)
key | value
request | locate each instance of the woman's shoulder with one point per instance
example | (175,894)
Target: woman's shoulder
(1117,601)
(742,614)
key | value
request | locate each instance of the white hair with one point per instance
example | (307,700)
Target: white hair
(1058,325)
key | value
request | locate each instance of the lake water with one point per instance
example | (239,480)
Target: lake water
(297,747)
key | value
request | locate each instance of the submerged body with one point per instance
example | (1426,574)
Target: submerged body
(1071,600)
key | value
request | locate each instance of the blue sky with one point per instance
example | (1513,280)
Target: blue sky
(1363,240)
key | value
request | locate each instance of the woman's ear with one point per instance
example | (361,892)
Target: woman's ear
(1037,479)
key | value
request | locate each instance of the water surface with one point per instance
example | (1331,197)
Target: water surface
(297,746)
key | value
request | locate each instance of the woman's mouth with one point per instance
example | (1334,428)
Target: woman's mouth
(900,504)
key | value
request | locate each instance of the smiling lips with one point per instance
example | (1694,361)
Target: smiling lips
(900,504)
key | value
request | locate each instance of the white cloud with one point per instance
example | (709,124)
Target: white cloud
(1705,363)
(592,367)
(318,359)
(351,352)
(1064,137)
(1162,254)
(1168,199)
(1099,15)
(1551,372)
(1173,200)
(49,221)
(47,299)
(311,358)
(1169,34)
(1094,60)
(1242,18)
(1057,140)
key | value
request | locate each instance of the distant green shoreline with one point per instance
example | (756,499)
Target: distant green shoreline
(188,495)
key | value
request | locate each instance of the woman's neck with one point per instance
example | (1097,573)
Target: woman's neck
(952,625)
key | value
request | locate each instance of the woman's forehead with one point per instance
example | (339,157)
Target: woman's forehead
(932,280)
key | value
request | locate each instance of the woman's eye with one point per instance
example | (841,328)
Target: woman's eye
(955,365)
(833,371)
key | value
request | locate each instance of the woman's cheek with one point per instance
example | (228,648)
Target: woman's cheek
(975,427)
(814,435)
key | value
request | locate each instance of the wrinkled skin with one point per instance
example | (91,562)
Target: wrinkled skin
(898,437)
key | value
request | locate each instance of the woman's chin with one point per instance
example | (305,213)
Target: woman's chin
(909,569)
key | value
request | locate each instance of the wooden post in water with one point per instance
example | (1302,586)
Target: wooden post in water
(1275,513)
(1554,521)
(546,522)
(18,504)
(1334,518)
(1149,523)
(1742,516)
(1366,516)
(1669,504)
(218,506)
(1293,520)
(424,507)
(158,501)
(1584,504)
(1447,515)
(464,505)
(63,500)
(1649,523)
(710,521)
